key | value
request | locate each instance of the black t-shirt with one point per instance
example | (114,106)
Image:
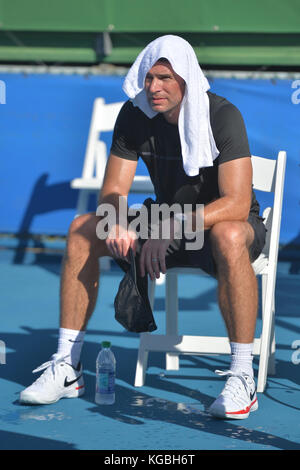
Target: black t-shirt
(157,142)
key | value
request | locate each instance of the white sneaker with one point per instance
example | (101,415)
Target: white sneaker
(238,397)
(60,380)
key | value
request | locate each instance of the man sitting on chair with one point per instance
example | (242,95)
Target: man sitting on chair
(195,146)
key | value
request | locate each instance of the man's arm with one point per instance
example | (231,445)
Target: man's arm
(235,188)
(118,178)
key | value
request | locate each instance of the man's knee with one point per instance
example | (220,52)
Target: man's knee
(228,239)
(82,234)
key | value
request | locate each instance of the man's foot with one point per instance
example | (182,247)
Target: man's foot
(60,380)
(237,399)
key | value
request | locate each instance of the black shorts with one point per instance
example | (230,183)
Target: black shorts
(179,256)
(203,258)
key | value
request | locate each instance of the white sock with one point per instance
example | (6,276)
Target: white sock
(241,358)
(70,343)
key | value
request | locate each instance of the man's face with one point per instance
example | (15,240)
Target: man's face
(165,90)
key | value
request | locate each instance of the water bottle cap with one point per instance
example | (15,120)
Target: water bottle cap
(105,344)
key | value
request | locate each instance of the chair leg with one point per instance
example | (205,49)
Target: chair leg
(172,359)
(151,292)
(141,366)
(142,360)
(267,328)
(272,364)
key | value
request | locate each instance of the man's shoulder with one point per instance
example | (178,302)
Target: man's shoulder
(132,112)
(223,113)
(228,128)
(219,105)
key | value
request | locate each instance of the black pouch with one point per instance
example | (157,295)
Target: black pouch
(132,306)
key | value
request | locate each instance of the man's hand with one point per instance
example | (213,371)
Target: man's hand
(153,257)
(119,174)
(153,254)
(120,240)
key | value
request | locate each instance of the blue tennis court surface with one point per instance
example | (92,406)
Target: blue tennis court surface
(170,411)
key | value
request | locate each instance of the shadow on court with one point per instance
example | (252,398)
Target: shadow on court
(134,406)
(14,440)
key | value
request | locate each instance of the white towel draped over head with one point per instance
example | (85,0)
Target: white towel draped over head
(198,146)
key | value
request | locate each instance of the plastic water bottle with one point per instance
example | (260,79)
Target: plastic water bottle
(105,375)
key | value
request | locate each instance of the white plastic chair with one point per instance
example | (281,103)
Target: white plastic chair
(103,120)
(268,176)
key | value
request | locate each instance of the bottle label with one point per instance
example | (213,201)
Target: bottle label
(106,382)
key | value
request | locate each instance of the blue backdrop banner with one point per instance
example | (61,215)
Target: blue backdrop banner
(45,120)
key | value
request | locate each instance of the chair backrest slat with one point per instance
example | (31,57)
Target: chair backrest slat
(268,176)
(264,174)
(103,120)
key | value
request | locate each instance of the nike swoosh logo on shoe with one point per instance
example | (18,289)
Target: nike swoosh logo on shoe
(252,395)
(67,383)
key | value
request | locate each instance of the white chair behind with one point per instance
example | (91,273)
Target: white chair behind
(103,120)
(268,176)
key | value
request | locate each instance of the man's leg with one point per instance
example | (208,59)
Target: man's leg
(79,284)
(237,284)
(238,301)
(80,274)
(78,295)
